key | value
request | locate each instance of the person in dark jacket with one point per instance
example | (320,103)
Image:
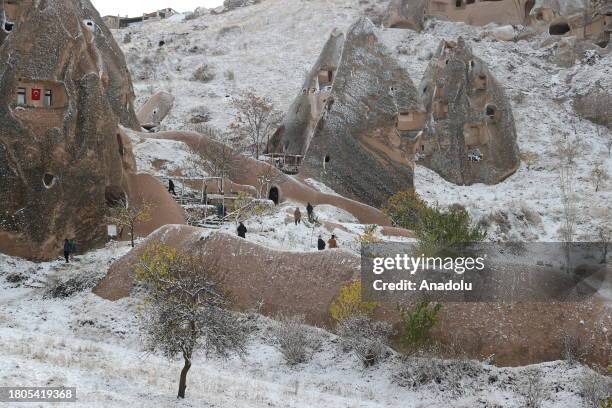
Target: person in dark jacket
(171,187)
(67,247)
(242,230)
(321,244)
(73,248)
(310,211)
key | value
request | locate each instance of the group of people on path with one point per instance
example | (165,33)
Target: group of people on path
(297,214)
(332,243)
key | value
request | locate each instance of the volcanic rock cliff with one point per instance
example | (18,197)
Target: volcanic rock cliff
(64,91)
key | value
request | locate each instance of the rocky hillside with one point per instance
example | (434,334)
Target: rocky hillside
(270,46)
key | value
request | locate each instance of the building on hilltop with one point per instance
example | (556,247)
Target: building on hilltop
(117,22)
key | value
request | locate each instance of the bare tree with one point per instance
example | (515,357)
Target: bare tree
(294,339)
(256,119)
(568,197)
(366,338)
(127,215)
(186,309)
(535,392)
(568,148)
(599,175)
(215,158)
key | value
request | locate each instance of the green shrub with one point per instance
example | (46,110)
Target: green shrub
(417,323)
(441,230)
(405,209)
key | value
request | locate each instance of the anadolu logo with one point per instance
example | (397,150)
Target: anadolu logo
(35,94)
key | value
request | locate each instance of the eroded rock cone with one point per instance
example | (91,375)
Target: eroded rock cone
(64,91)
(471,135)
(357,121)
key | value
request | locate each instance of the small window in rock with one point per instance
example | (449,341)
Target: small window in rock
(422,148)
(120,145)
(8,26)
(48,98)
(490,111)
(21,96)
(458,3)
(327,159)
(49,180)
(162,43)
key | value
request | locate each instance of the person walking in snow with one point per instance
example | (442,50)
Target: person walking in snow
(321,244)
(171,187)
(310,211)
(242,230)
(73,248)
(67,250)
(297,215)
(332,243)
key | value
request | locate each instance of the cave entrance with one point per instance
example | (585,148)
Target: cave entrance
(274,195)
(49,180)
(559,28)
(115,197)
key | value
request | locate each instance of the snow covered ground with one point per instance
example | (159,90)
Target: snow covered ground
(94,345)
(270,46)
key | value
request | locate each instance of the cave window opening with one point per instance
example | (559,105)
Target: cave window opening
(490,111)
(8,26)
(120,145)
(48,98)
(49,180)
(21,96)
(115,197)
(559,29)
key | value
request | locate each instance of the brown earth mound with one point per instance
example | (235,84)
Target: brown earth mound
(287,282)
(307,283)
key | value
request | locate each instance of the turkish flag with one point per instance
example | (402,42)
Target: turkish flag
(36,94)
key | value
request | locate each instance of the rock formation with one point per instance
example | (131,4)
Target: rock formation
(155,110)
(410,13)
(471,136)
(406,14)
(368,117)
(295,133)
(64,91)
(590,20)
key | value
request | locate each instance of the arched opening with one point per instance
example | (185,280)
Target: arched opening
(49,180)
(490,111)
(327,158)
(115,197)
(274,195)
(120,145)
(8,26)
(559,28)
